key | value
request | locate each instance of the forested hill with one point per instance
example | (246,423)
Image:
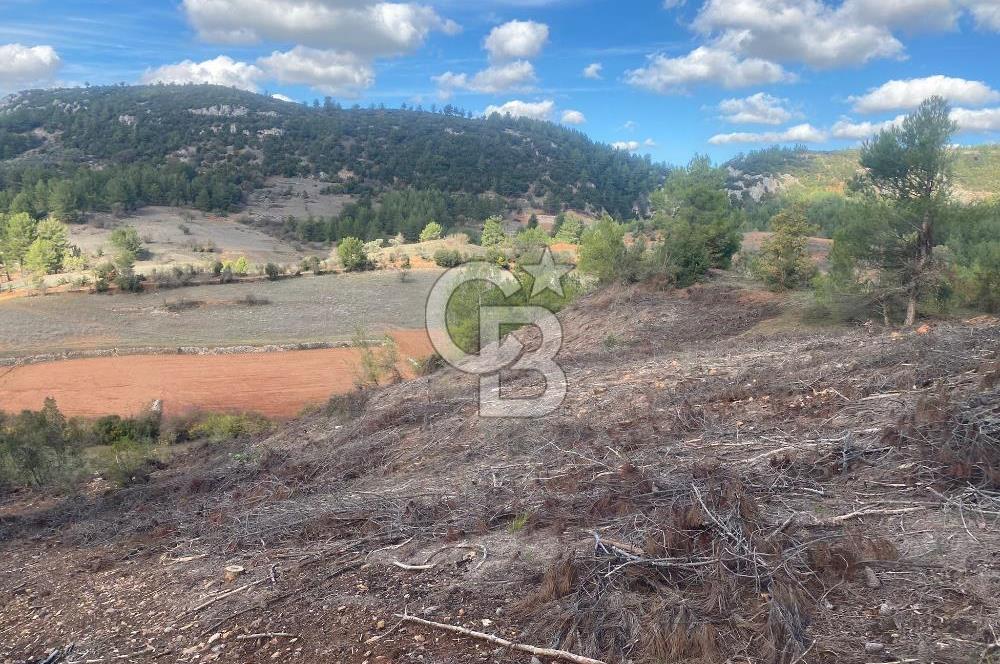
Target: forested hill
(92,148)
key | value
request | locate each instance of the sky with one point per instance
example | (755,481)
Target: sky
(668,78)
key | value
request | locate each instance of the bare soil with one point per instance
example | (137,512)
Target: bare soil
(275,384)
(713,489)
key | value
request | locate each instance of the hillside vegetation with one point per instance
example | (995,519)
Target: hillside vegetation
(976,171)
(99,148)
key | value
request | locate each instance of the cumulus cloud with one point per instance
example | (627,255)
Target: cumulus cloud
(573,117)
(518,75)
(760,108)
(986,13)
(593,71)
(705,64)
(910,14)
(860,131)
(516,40)
(24,66)
(364,27)
(983,120)
(908,94)
(806,31)
(541,110)
(629,146)
(331,72)
(222,70)
(803,133)
(649,143)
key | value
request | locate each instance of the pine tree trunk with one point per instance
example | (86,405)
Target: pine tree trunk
(911,306)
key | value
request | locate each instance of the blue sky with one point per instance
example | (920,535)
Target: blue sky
(666,77)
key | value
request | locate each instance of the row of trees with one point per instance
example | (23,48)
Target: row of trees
(32,246)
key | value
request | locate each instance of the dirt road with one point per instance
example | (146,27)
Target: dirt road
(274,384)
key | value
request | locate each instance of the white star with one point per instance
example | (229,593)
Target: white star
(547,274)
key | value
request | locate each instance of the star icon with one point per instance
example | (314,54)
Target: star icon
(547,274)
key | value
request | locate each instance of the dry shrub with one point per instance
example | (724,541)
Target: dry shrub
(960,438)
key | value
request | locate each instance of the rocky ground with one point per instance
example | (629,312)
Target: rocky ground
(719,486)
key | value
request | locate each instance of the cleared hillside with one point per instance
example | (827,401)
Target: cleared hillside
(707,492)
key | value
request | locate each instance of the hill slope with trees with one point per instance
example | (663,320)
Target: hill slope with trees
(75,150)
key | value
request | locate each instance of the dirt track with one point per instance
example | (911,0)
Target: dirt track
(274,384)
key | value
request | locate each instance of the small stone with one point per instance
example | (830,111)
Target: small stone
(871,579)
(885,609)
(873,647)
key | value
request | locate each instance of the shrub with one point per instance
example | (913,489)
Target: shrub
(493,234)
(222,427)
(272,271)
(570,230)
(602,251)
(448,257)
(126,240)
(352,254)
(432,231)
(784,260)
(240,267)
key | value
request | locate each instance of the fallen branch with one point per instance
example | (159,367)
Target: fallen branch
(411,568)
(503,643)
(225,595)
(837,520)
(265,635)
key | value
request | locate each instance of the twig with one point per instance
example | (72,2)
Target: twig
(379,637)
(503,643)
(225,595)
(265,635)
(836,520)
(412,568)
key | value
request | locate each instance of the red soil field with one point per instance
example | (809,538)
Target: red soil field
(277,384)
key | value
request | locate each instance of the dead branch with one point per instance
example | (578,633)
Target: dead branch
(837,520)
(503,643)
(412,568)
(224,595)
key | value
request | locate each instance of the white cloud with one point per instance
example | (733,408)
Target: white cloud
(516,40)
(629,146)
(760,108)
(630,125)
(910,14)
(803,133)
(649,143)
(364,27)
(705,64)
(281,97)
(573,117)
(541,110)
(806,31)
(222,70)
(986,13)
(593,71)
(983,120)
(908,94)
(23,66)
(860,131)
(518,75)
(673,4)
(327,71)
